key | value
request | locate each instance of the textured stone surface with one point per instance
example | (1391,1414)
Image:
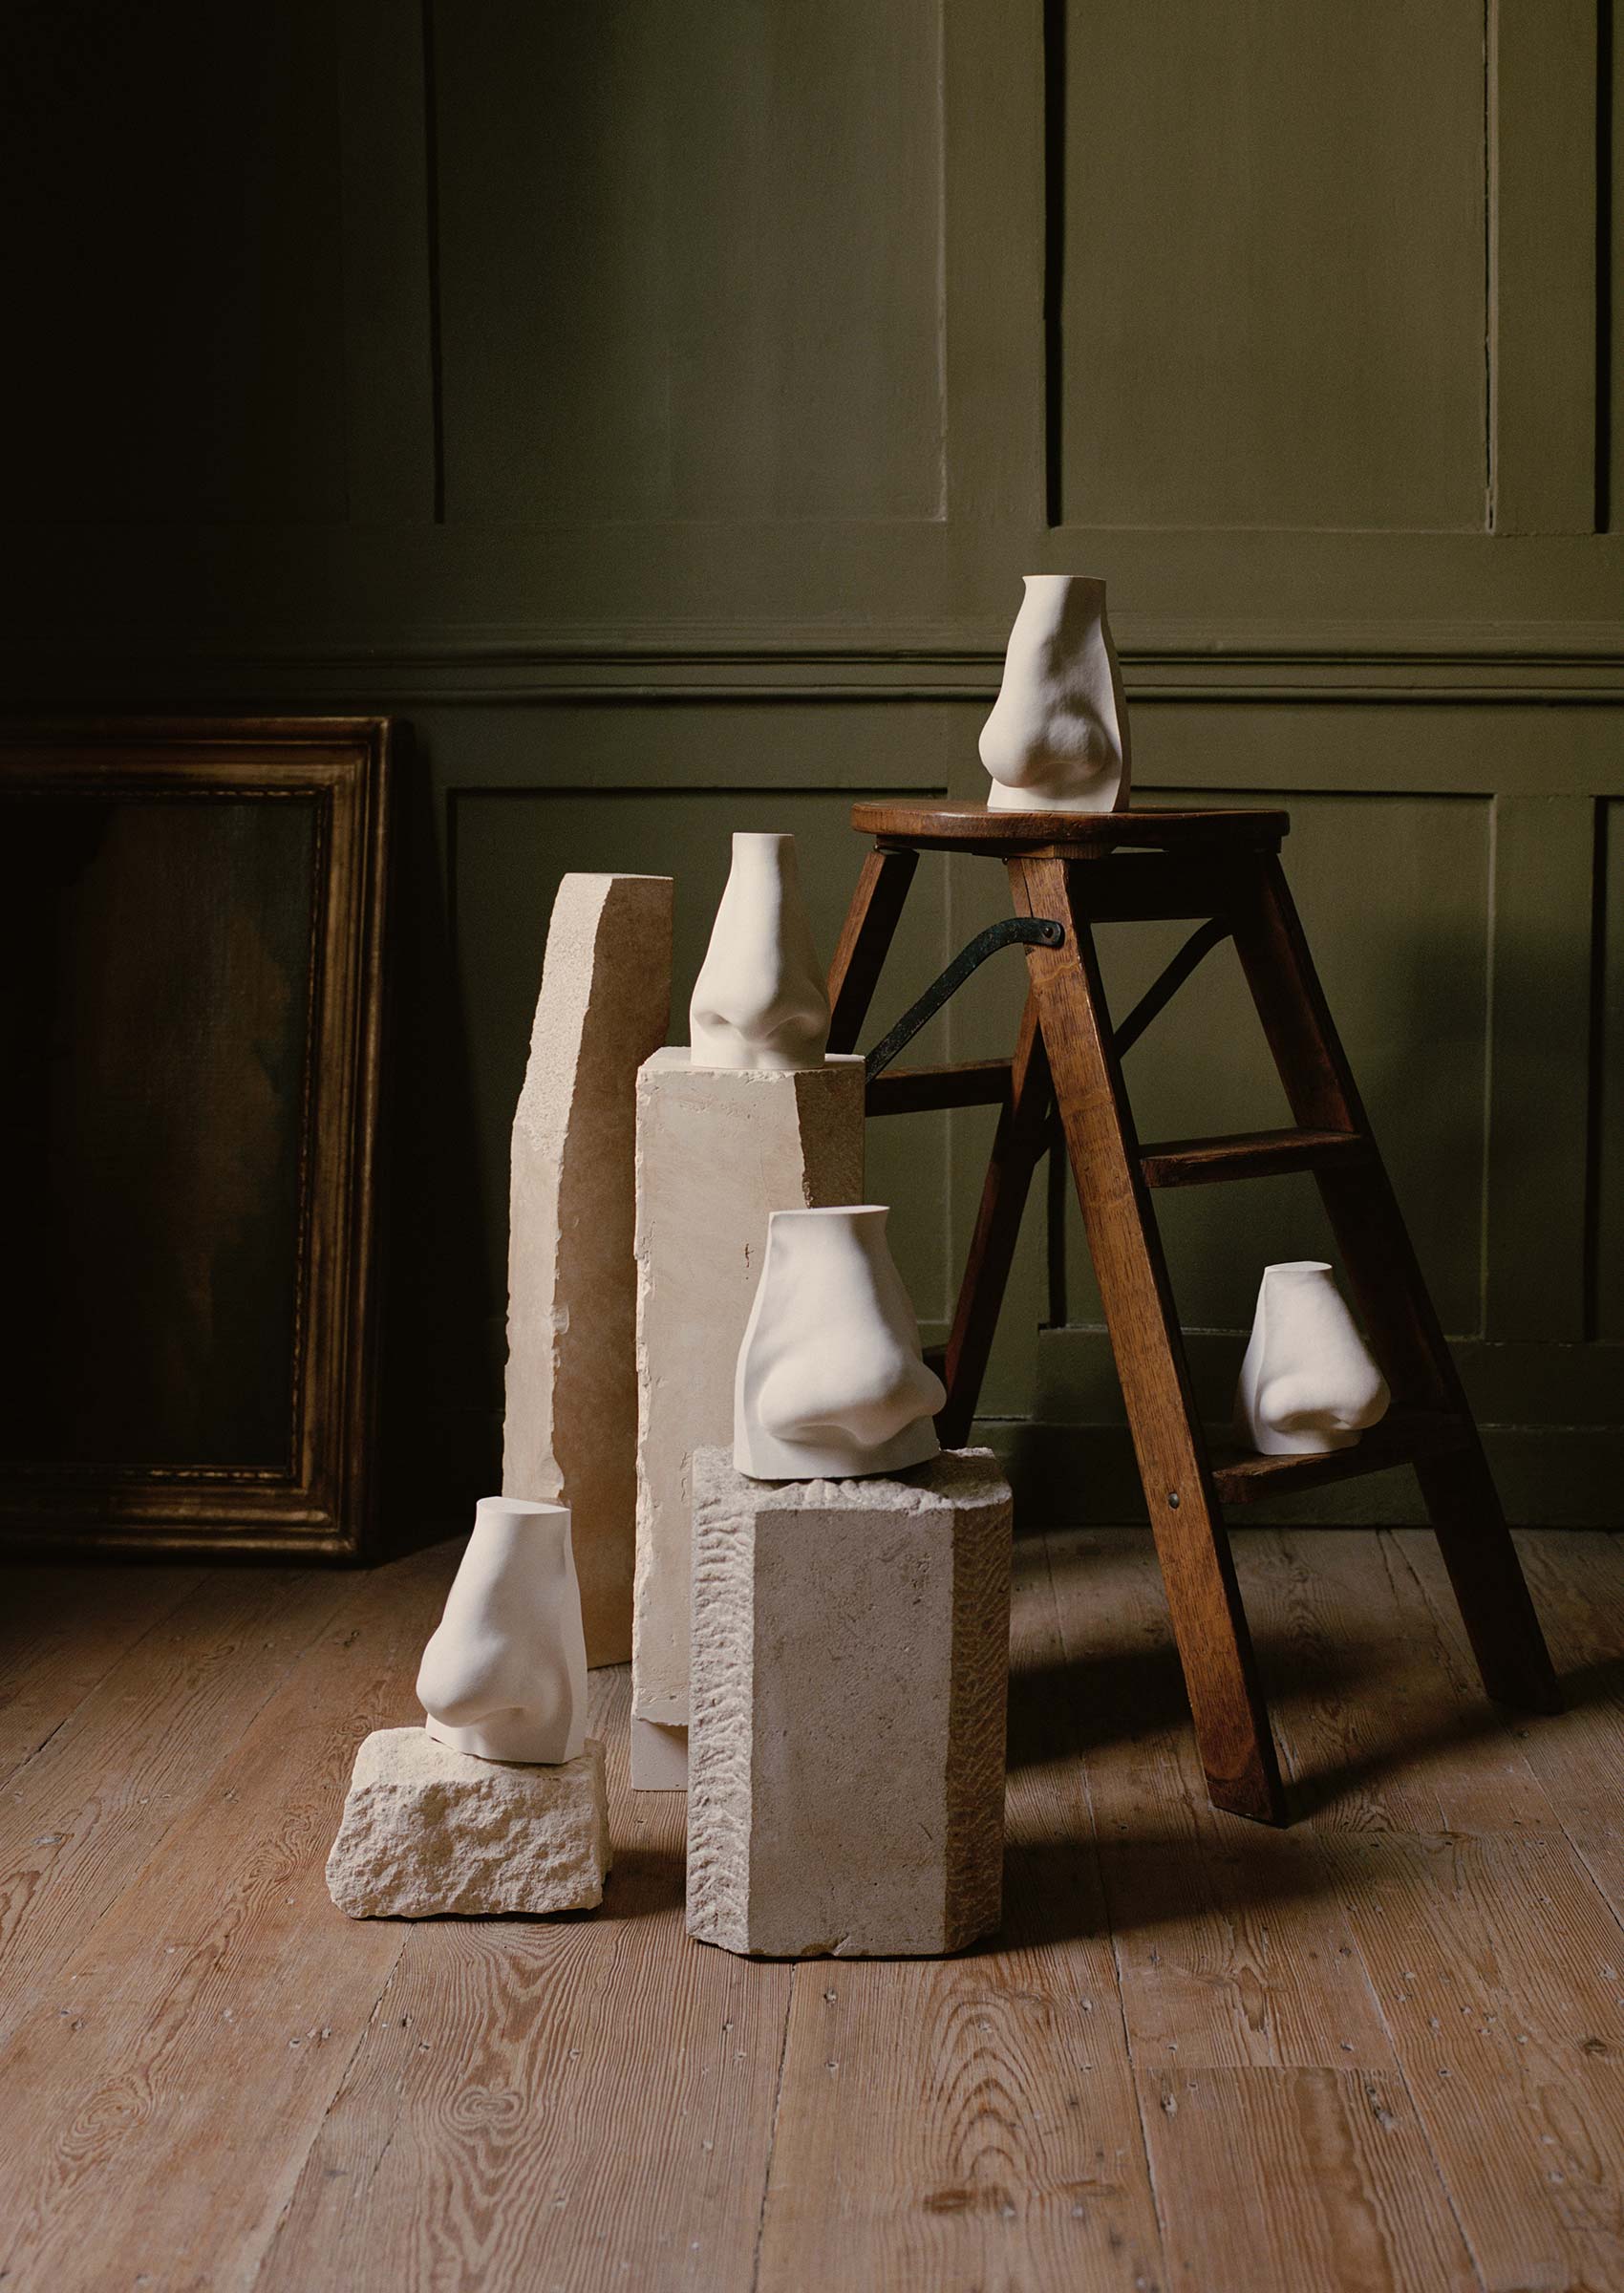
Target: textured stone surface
(718,1148)
(850,1669)
(570,1435)
(427,1829)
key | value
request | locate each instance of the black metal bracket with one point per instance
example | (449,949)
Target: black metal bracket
(1021,931)
(1161,990)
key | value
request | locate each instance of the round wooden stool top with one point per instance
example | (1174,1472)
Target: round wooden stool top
(950,826)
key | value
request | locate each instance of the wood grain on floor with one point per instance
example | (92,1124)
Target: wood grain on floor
(1383,2049)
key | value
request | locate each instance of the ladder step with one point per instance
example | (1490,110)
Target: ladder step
(923,1090)
(1247,1154)
(1404,1437)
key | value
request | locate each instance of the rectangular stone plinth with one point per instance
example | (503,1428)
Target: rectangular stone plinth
(570,1430)
(717,1150)
(850,1669)
(428,1831)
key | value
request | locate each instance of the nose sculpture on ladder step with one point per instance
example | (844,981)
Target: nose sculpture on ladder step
(1057,737)
(830,1382)
(760,999)
(1309,1384)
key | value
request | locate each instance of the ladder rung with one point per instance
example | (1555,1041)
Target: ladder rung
(1247,1154)
(920,1090)
(1404,1437)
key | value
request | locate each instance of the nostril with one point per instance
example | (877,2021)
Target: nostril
(874,1410)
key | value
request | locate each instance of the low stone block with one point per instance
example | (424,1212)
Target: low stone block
(717,1150)
(850,1670)
(570,1433)
(427,1830)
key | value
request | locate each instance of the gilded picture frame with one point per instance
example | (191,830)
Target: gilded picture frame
(191,1024)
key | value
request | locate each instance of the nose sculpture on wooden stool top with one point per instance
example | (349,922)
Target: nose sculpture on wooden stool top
(1057,737)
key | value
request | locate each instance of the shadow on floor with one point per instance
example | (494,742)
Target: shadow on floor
(1115,1695)
(1118,1695)
(1599,1682)
(647,1882)
(1059,1890)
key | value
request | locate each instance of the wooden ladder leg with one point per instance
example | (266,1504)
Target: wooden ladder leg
(1232,1723)
(866,940)
(1018,1146)
(1386,1276)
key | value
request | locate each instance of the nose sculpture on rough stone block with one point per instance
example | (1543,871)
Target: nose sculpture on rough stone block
(760,999)
(830,1384)
(505,1675)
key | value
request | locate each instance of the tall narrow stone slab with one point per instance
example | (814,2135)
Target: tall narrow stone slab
(850,1669)
(717,1150)
(570,1432)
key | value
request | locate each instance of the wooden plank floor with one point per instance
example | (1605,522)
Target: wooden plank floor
(1382,2049)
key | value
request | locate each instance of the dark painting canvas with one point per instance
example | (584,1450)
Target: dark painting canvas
(156,999)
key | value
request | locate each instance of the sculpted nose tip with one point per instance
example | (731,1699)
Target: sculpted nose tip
(872,1412)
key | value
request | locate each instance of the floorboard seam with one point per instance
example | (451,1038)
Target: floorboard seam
(1574,1848)
(772,2135)
(208,1582)
(1454,1649)
(1451,1638)
(1411,2096)
(1111,1930)
(320,2128)
(19,1769)
(186,1809)
(1317,1848)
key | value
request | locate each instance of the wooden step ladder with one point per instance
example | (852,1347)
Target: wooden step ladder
(1224,869)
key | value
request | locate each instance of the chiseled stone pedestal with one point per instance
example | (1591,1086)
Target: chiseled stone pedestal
(570,1435)
(427,1829)
(850,1669)
(717,1150)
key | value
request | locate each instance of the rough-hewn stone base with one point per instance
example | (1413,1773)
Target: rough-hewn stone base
(717,1150)
(850,1667)
(427,1829)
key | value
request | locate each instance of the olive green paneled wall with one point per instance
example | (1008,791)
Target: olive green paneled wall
(718,163)
(1310,266)
(653,406)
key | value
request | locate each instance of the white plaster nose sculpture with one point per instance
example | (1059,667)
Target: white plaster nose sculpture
(505,1676)
(830,1384)
(1309,1384)
(760,999)
(1057,737)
